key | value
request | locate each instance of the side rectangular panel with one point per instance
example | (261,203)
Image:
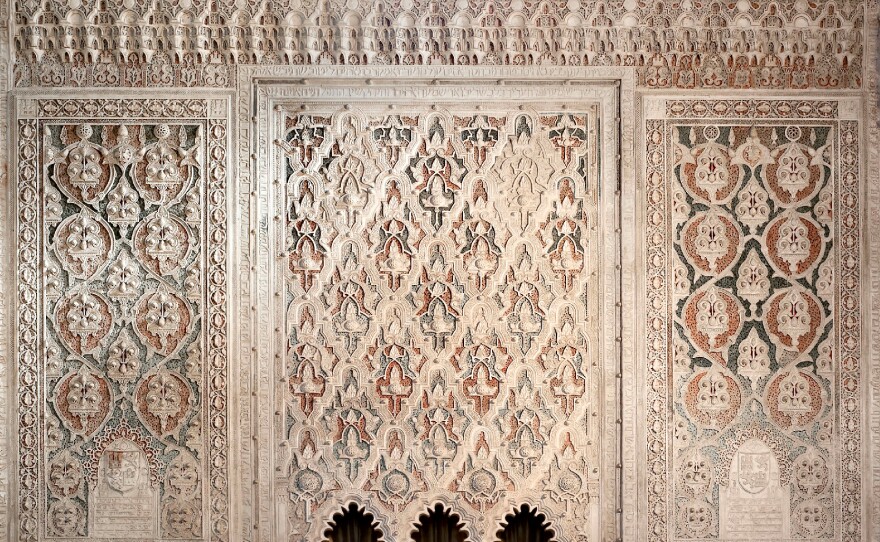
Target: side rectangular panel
(765,409)
(122,348)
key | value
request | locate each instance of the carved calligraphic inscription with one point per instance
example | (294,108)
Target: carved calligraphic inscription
(124,503)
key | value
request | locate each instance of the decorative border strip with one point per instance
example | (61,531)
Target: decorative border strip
(850,414)
(658,327)
(751,109)
(871,111)
(142,108)
(28,406)
(850,333)
(217,300)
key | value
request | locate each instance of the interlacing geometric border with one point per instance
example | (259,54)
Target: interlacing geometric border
(32,114)
(662,117)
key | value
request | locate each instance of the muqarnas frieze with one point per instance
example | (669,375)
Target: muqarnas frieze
(675,44)
(122,360)
(764,355)
(442,276)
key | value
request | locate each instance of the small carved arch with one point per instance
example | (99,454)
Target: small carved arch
(439,524)
(525,525)
(353,524)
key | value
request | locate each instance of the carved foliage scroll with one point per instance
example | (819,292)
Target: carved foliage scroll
(125,219)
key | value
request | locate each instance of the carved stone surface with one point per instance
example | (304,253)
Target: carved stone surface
(126,217)
(764,278)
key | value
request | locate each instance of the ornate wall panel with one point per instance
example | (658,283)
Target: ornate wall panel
(446,283)
(121,319)
(744,411)
(758,250)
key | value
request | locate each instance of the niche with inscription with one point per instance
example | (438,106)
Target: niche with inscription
(755,504)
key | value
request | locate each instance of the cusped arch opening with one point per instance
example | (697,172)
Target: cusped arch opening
(439,525)
(526,525)
(353,524)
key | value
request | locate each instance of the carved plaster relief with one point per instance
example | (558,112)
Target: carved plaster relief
(763,244)
(442,286)
(675,44)
(121,320)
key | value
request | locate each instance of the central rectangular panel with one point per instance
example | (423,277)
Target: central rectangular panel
(445,285)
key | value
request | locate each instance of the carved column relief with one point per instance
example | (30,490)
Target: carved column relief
(122,339)
(765,242)
(440,278)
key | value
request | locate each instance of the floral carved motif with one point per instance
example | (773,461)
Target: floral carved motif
(440,277)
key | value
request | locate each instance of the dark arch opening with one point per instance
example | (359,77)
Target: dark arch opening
(353,524)
(525,525)
(439,525)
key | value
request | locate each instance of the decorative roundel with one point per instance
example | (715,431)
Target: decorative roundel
(713,398)
(83,243)
(794,398)
(161,320)
(162,242)
(795,174)
(712,318)
(709,174)
(162,401)
(711,132)
(794,244)
(82,171)
(794,319)
(711,241)
(84,320)
(82,400)
(793,133)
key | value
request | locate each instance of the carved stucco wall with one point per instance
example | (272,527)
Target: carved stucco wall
(735,380)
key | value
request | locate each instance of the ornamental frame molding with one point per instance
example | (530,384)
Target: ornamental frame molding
(260,88)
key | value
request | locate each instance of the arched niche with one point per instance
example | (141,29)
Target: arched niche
(439,525)
(525,525)
(353,524)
